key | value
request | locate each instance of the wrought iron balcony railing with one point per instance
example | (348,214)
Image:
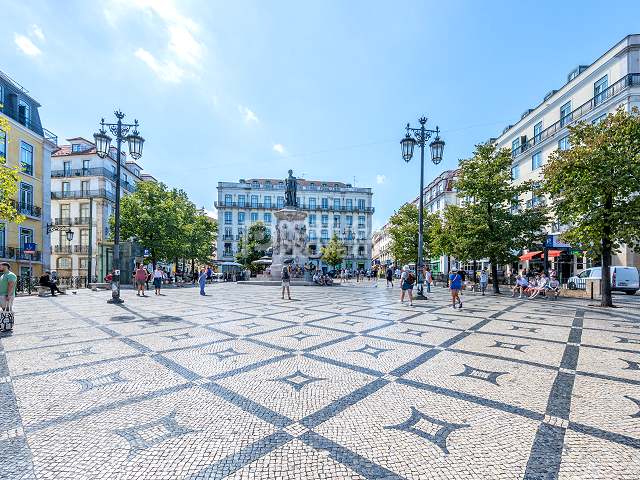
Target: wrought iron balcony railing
(328,208)
(62,248)
(28,209)
(75,194)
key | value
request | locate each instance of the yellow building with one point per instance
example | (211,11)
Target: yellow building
(28,146)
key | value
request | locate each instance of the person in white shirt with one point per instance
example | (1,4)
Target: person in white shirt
(158,275)
(484,281)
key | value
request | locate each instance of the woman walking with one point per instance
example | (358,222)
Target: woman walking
(407,279)
(141,277)
(455,285)
(202,280)
(157,279)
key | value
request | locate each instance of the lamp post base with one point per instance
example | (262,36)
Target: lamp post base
(115,300)
(421,296)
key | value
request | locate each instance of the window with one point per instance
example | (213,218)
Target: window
(240,218)
(3,140)
(26,236)
(563,143)
(325,235)
(65,214)
(312,220)
(254,217)
(241,200)
(76,147)
(361,235)
(438,204)
(312,234)
(325,220)
(267,217)
(254,201)
(312,203)
(64,263)
(336,204)
(349,204)
(66,167)
(228,200)
(136,171)
(361,221)
(599,90)
(537,131)
(267,201)
(227,218)
(26,197)
(325,203)
(83,263)
(536,160)
(336,221)
(228,233)
(26,158)
(349,220)
(84,236)
(280,202)
(24,113)
(515,172)
(515,146)
(597,120)
(84,211)
(565,114)
(84,187)
(361,204)
(125,178)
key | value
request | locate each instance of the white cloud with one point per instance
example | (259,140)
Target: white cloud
(26,45)
(167,71)
(380,179)
(37,32)
(249,116)
(278,147)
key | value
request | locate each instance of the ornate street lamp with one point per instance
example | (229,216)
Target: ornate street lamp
(103,145)
(420,136)
(58,228)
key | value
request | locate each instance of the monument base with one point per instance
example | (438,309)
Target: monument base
(290,246)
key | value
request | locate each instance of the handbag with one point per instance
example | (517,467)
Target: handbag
(6,320)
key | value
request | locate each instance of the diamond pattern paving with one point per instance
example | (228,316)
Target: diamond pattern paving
(340,383)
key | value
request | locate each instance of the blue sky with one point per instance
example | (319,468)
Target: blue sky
(228,90)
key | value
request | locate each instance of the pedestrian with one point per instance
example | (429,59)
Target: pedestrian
(389,277)
(8,281)
(407,279)
(484,281)
(202,280)
(147,278)
(286,281)
(141,277)
(209,274)
(455,285)
(428,279)
(45,281)
(157,279)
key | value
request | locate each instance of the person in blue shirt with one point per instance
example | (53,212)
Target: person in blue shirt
(455,285)
(202,280)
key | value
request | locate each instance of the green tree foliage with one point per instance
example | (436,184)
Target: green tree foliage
(333,252)
(200,237)
(403,230)
(594,188)
(254,246)
(491,223)
(9,180)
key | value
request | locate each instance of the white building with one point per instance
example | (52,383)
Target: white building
(331,207)
(589,94)
(83,197)
(381,246)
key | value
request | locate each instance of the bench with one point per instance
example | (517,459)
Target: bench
(44,291)
(99,286)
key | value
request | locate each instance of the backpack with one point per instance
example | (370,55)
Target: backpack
(411,278)
(285,274)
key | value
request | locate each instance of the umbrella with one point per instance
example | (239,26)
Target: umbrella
(288,261)
(262,261)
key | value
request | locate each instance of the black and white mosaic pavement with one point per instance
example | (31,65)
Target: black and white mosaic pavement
(341,383)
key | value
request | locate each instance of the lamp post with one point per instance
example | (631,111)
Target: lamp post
(103,144)
(59,228)
(420,136)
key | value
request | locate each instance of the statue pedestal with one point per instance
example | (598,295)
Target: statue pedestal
(290,242)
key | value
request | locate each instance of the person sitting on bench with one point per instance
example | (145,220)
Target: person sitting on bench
(45,281)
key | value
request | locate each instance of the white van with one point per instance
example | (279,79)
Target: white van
(623,279)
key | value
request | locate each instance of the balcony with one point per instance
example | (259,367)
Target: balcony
(62,221)
(630,80)
(78,194)
(227,237)
(249,206)
(81,249)
(62,249)
(92,172)
(27,209)
(81,221)
(34,257)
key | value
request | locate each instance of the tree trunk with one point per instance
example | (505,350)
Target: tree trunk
(494,274)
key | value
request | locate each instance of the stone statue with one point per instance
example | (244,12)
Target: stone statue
(291,184)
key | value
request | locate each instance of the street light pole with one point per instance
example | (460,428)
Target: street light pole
(420,136)
(121,132)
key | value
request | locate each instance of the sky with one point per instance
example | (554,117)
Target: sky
(244,89)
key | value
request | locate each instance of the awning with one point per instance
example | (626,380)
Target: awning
(554,253)
(529,256)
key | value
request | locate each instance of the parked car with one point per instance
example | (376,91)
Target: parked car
(623,279)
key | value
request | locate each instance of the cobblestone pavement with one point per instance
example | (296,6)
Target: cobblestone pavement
(342,382)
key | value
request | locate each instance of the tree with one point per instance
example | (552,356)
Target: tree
(254,246)
(333,252)
(9,180)
(403,231)
(594,188)
(491,223)
(200,235)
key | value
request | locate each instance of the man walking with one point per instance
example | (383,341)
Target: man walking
(428,278)
(8,282)
(202,280)
(455,285)
(389,277)
(484,281)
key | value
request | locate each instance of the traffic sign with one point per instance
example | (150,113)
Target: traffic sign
(29,248)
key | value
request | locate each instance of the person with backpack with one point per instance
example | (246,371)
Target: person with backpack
(407,279)
(484,281)
(286,281)
(389,276)
(455,285)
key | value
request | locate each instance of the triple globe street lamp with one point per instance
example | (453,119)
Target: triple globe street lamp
(103,146)
(420,136)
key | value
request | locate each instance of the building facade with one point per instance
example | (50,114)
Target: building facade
(83,198)
(331,207)
(381,247)
(28,146)
(589,94)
